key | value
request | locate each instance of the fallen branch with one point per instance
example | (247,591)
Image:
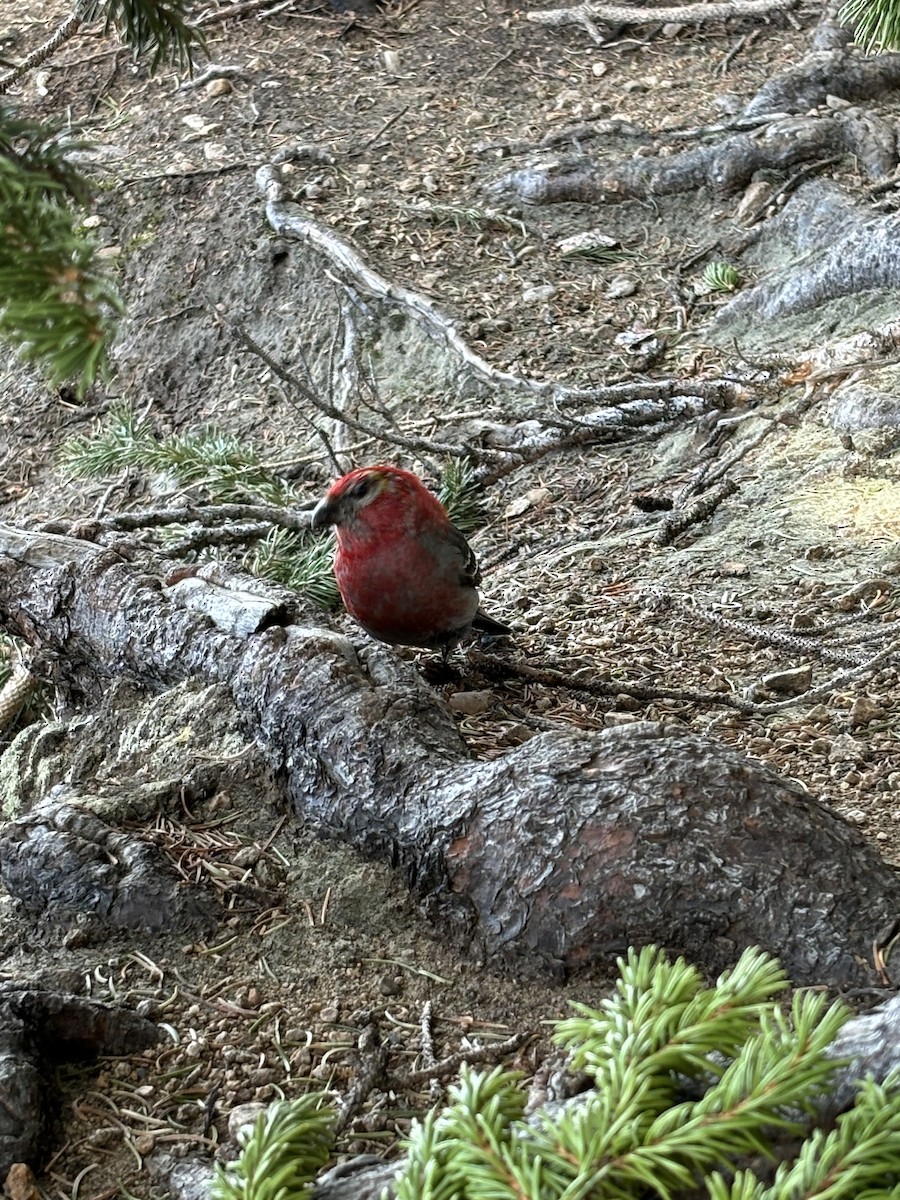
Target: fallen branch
(571,847)
(691,14)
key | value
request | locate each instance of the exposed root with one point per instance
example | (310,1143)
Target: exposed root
(723,168)
(586,15)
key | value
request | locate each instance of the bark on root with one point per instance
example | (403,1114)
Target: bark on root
(723,168)
(558,855)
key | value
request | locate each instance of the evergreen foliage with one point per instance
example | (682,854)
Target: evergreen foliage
(754,1070)
(56,302)
(720,277)
(299,562)
(215,467)
(289,1145)
(877,23)
(149,27)
(221,465)
(461,495)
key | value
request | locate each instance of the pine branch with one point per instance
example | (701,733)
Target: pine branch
(299,561)
(154,27)
(288,1146)
(461,495)
(225,468)
(877,23)
(627,1139)
(57,305)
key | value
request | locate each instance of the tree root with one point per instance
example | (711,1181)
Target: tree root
(724,168)
(842,251)
(619,14)
(566,850)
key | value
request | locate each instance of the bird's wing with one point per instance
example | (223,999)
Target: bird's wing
(469,574)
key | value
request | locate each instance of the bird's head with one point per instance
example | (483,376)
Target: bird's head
(373,496)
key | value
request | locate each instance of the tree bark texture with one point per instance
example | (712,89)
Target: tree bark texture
(723,168)
(834,250)
(62,859)
(562,853)
(38,1031)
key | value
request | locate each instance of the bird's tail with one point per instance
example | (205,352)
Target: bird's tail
(488,625)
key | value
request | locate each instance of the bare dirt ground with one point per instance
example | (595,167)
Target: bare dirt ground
(412,114)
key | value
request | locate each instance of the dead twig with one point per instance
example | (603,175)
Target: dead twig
(371,1074)
(448,1067)
(417,445)
(619,14)
(189,514)
(550,677)
(677,521)
(67,30)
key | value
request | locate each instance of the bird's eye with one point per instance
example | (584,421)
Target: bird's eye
(360,489)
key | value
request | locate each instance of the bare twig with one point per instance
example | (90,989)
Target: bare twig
(371,1073)
(804,646)
(291,221)
(503,667)
(680,519)
(417,445)
(837,682)
(189,514)
(64,33)
(620,14)
(448,1067)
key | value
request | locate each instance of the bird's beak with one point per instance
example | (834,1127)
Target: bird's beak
(323,515)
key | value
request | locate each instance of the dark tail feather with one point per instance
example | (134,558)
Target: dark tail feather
(488,625)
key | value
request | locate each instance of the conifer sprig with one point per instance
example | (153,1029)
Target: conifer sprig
(288,1146)
(461,496)
(220,464)
(158,28)
(298,561)
(631,1136)
(55,302)
(877,23)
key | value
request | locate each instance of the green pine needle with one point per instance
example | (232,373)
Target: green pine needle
(217,464)
(720,277)
(158,28)
(461,495)
(877,24)
(298,561)
(759,1069)
(56,304)
(290,1143)
(627,1139)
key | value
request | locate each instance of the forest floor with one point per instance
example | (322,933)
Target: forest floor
(412,114)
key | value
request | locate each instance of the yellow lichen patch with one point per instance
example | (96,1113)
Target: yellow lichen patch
(864,508)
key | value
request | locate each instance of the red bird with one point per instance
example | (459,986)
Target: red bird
(404,572)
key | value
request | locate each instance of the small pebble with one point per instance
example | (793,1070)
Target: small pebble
(20,1183)
(612,719)
(471,703)
(537,295)
(792,682)
(863,710)
(844,748)
(620,287)
(390,985)
(241,1117)
(218,87)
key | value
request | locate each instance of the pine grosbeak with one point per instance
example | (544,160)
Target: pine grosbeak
(404,572)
